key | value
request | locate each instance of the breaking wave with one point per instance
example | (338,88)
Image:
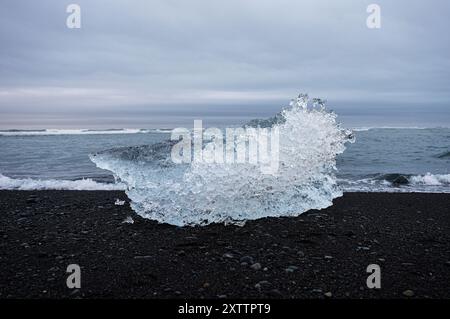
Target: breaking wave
(443,155)
(7,183)
(368,128)
(431,179)
(202,193)
(399,183)
(47,132)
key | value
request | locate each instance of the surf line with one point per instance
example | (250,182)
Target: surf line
(250,145)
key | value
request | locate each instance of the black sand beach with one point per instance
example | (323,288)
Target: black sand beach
(320,254)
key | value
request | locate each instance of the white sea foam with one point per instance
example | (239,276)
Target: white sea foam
(431,179)
(203,193)
(162,130)
(427,183)
(367,128)
(70,132)
(54,184)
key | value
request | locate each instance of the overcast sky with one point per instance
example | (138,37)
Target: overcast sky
(131,61)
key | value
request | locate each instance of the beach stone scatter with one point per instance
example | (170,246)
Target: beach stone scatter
(43,232)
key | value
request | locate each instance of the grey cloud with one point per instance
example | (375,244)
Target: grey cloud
(144,54)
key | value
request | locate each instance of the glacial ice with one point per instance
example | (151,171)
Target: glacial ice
(202,193)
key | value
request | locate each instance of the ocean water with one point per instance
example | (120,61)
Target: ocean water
(397,159)
(319,159)
(372,163)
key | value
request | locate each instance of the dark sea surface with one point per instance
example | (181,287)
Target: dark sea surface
(381,159)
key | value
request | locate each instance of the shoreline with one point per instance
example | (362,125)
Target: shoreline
(319,254)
